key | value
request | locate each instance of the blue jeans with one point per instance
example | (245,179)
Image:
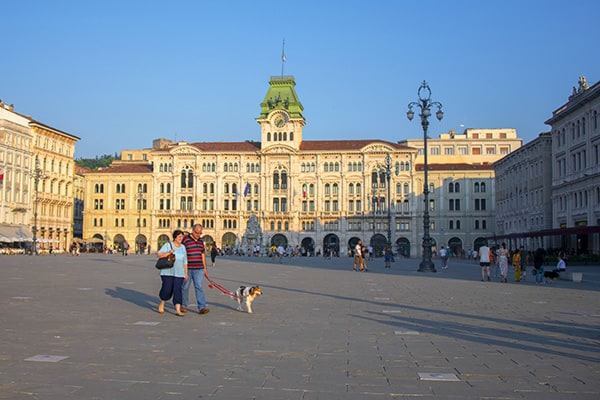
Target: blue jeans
(539,275)
(197,276)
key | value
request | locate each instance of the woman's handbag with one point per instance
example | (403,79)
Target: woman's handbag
(166,262)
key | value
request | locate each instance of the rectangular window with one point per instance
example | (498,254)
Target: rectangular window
(462,151)
(490,150)
(448,151)
(435,151)
(476,151)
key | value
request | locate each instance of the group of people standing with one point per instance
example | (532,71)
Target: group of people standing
(503,257)
(518,259)
(189,268)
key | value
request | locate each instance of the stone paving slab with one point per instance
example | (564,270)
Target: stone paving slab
(320,331)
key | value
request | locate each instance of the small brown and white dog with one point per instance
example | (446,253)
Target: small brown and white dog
(248,294)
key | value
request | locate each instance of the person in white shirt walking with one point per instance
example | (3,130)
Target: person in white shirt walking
(444,256)
(484,261)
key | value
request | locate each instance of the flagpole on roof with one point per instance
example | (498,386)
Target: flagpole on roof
(282,57)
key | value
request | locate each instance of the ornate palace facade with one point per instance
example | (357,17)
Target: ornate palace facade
(314,194)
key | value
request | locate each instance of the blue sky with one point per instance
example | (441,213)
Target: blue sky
(119,74)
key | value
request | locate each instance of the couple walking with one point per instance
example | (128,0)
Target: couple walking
(189,267)
(359,257)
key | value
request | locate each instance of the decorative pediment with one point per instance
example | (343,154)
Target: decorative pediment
(184,151)
(378,148)
(279,149)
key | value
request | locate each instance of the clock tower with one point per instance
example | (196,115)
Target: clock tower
(281,118)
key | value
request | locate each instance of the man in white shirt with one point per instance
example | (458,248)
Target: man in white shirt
(484,261)
(444,256)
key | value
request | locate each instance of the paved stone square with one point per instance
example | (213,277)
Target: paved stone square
(87,328)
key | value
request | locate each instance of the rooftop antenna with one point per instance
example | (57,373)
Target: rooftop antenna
(283,58)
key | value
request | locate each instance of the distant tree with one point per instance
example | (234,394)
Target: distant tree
(95,163)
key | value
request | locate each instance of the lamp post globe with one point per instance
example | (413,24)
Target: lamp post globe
(424,104)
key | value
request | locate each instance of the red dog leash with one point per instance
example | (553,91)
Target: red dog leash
(212,284)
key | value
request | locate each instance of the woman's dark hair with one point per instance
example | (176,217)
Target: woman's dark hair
(177,232)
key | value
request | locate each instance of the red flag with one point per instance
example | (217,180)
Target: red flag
(1,179)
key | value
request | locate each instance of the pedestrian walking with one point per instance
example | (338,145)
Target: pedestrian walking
(196,256)
(444,257)
(503,255)
(484,261)
(538,263)
(214,252)
(517,262)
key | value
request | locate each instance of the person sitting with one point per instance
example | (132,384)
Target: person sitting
(561,266)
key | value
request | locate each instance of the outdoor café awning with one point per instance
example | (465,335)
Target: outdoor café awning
(15,233)
(576,230)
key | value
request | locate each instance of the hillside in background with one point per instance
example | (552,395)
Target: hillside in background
(95,163)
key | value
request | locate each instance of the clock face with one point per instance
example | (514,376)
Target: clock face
(279,122)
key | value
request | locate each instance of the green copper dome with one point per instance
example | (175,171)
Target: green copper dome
(281,96)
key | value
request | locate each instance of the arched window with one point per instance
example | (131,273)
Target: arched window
(268,136)
(276,180)
(483,186)
(226,188)
(183,181)
(284,180)
(190,178)
(476,187)
(451,187)
(456,187)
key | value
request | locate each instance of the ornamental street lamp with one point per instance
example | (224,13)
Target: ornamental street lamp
(37,174)
(140,200)
(424,105)
(388,173)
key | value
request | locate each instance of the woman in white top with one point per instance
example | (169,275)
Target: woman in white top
(173,278)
